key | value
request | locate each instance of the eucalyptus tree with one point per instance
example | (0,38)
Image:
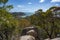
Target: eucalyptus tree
(3,5)
(46,21)
(7,21)
(54,21)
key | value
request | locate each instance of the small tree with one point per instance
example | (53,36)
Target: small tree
(7,21)
(46,21)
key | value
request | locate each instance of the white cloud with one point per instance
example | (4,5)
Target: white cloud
(55,0)
(20,6)
(56,4)
(29,3)
(41,1)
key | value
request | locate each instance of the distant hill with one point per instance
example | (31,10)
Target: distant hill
(21,14)
(28,13)
(18,13)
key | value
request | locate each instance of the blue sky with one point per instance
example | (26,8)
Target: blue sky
(32,5)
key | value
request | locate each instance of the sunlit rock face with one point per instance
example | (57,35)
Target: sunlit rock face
(27,37)
(29,34)
(30,29)
(56,39)
(53,39)
(25,30)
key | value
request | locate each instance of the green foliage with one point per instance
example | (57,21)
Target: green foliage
(23,23)
(46,21)
(7,23)
(4,6)
(3,1)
